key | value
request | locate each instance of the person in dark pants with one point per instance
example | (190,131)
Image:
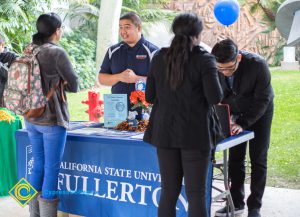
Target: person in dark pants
(182,85)
(246,82)
(6,58)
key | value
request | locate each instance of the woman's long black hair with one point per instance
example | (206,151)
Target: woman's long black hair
(46,25)
(185,26)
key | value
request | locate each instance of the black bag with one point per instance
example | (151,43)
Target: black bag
(216,131)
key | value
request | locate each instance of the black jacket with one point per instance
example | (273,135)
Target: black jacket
(6,58)
(252,94)
(180,119)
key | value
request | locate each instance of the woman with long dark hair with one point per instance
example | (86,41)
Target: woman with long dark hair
(47,133)
(182,85)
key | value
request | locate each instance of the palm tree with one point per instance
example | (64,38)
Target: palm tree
(86,13)
(108,22)
(269,9)
(149,10)
(90,20)
(82,15)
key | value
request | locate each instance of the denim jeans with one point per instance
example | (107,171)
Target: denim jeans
(48,143)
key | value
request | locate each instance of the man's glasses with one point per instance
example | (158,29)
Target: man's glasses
(229,68)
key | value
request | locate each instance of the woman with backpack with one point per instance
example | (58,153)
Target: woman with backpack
(182,85)
(47,133)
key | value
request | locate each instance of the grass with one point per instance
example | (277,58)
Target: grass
(284,152)
(77,108)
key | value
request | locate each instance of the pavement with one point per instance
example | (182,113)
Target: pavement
(277,202)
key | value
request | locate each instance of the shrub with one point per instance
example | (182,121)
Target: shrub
(82,52)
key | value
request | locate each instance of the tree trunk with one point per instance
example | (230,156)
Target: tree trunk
(108,26)
(268,12)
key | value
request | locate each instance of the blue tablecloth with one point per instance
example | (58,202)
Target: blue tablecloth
(109,177)
(105,177)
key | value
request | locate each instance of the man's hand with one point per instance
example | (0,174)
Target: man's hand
(236,129)
(128,76)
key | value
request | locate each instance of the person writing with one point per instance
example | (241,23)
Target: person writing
(183,86)
(246,82)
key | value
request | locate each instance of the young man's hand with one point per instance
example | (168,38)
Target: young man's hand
(236,129)
(128,76)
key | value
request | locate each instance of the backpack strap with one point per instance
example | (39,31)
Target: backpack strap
(37,49)
(51,92)
(60,83)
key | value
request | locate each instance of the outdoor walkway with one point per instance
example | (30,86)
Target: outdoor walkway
(278,202)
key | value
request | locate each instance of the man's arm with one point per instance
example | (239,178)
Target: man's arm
(263,95)
(127,76)
(108,79)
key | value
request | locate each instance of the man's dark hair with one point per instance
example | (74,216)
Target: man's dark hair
(225,51)
(133,17)
(2,38)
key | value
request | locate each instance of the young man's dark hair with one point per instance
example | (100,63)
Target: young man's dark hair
(133,17)
(225,51)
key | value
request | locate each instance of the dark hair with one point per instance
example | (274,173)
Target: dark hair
(46,25)
(133,17)
(185,26)
(225,51)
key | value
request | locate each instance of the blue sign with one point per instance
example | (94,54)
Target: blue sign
(115,109)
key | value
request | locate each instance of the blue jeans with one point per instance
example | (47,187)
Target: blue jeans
(48,143)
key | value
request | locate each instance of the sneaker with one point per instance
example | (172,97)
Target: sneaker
(254,213)
(223,211)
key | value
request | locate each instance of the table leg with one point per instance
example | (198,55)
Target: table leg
(226,185)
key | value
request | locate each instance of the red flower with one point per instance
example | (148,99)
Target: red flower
(137,98)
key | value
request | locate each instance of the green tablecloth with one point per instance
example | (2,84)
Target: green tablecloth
(8,161)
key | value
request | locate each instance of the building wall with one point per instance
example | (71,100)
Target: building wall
(246,31)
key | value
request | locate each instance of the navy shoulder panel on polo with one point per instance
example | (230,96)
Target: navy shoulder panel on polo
(121,56)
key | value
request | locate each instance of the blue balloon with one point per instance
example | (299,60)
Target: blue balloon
(227,11)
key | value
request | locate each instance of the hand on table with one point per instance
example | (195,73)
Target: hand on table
(236,129)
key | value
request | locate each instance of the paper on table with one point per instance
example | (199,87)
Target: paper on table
(116,133)
(138,136)
(104,132)
(84,131)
